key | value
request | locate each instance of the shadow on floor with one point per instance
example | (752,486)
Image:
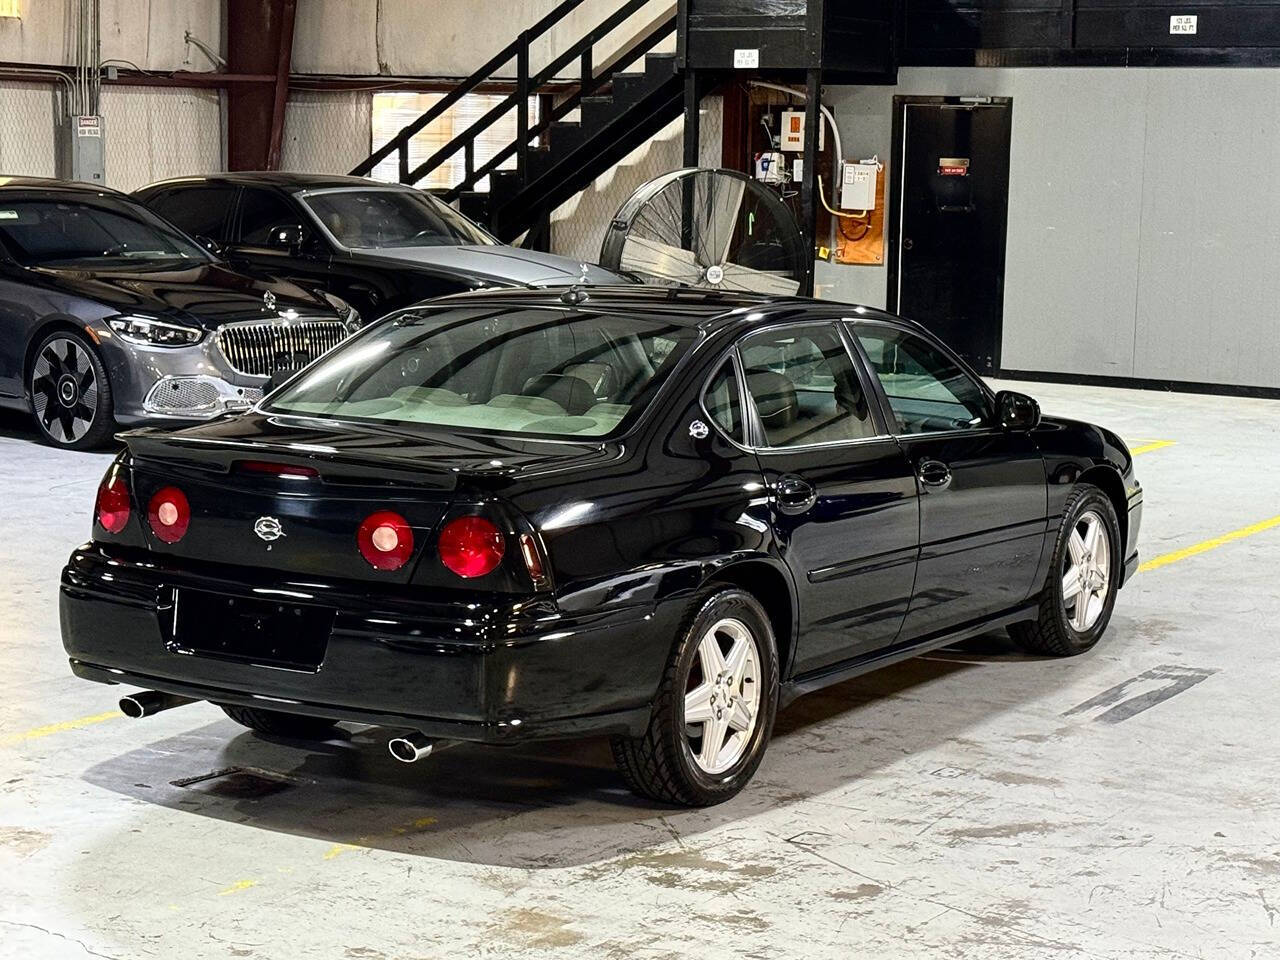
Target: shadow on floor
(560,804)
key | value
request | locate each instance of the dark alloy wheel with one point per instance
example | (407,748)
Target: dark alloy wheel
(277,724)
(714,712)
(1088,561)
(70,394)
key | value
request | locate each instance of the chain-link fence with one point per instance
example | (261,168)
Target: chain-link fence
(157,132)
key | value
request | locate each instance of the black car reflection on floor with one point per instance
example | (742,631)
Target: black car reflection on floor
(658,515)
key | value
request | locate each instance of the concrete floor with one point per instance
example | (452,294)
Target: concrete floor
(974,804)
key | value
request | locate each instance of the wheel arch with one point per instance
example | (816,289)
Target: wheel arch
(1108,480)
(766,582)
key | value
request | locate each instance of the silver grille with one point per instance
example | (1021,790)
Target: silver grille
(261,348)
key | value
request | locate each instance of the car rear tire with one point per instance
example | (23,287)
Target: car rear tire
(722,673)
(277,724)
(1080,593)
(70,393)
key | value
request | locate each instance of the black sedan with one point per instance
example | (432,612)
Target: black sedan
(109,315)
(378,246)
(657,515)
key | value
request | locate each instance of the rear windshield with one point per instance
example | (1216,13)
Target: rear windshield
(542,372)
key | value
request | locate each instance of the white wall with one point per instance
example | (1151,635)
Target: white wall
(27,129)
(1144,228)
(440,38)
(326,132)
(158,132)
(147,32)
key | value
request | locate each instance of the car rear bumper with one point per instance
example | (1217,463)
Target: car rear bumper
(483,670)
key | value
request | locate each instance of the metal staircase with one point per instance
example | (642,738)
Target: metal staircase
(619,109)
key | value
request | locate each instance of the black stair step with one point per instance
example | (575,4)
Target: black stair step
(566,136)
(630,86)
(475,205)
(540,161)
(597,110)
(663,64)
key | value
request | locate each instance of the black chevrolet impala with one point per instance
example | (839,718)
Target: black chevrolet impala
(657,515)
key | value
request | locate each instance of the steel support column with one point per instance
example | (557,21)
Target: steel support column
(259,41)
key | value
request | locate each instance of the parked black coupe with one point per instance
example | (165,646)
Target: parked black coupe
(378,246)
(109,315)
(657,515)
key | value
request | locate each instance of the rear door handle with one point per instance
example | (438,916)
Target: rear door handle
(794,494)
(934,474)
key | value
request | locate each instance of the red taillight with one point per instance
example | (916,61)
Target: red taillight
(385,540)
(169,514)
(113,502)
(471,546)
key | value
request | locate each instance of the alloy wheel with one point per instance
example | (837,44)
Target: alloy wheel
(64,390)
(722,698)
(1086,577)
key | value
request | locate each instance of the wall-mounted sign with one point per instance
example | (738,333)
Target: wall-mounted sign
(88,127)
(953,166)
(1184,24)
(746,59)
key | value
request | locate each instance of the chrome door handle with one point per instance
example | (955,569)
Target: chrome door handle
(934,474)
(794,494)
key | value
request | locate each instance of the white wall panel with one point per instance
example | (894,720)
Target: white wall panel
(158,132)
(27,145)
(147,32)
(326,132)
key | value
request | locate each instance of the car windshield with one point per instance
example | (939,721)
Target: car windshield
(48,232)
(379,219)
(536,371)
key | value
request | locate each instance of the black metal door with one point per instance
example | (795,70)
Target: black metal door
(947,228)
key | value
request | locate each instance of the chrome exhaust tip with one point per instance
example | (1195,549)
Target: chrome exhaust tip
(150,702)
(411,747)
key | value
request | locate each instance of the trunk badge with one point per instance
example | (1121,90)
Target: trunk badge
(269,300)
(268,529)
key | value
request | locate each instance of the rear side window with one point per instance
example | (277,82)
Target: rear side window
(804,387)
(198,211)
(723,401)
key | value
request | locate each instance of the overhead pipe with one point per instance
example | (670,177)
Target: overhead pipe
(150,702)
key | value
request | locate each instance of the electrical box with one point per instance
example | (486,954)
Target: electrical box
(771,167)
(858,185)
(84,156)
(792,139)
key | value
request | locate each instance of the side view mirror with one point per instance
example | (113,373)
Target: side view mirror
(1017,411)
(210,244)
(287,236)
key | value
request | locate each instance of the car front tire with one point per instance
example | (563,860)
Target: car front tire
(70,394)
(1080,593)
(712,718)
(277,724)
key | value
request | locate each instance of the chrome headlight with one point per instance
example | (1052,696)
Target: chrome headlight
(155,333)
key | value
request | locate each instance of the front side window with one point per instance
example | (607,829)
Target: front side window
(722,401)
(804,387)
(926,389)
(540,372)
(379,219)
(56,232)
(263,214)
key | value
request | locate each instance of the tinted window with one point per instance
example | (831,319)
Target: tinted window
(49,232)
(373,219)
(722,401)
(926,389)
(200,211)
(517,371)
(804,387)
(263,212)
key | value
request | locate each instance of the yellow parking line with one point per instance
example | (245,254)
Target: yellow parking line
(38,732)
(1168,558)
(237,887)
(1149,445)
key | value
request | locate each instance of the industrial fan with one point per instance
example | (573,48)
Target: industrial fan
(714,229)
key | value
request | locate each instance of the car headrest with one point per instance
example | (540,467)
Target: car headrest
(572,393)
(775,397)
(602,377)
